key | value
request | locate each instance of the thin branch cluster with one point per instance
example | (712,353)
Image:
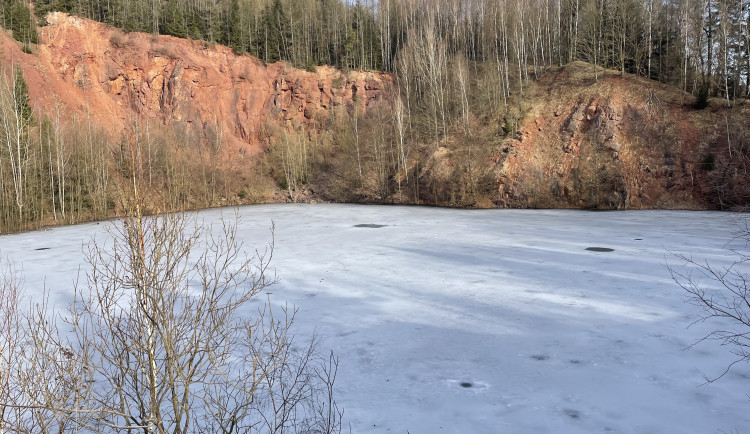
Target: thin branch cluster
(722,294)
(162,340)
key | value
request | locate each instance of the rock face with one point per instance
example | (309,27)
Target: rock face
(582,139)
(83,68)
(621,143)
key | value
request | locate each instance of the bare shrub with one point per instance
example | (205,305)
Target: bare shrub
(44,384)
(164,51)
(118,39)
(11,332)
(161,341)
(722,294)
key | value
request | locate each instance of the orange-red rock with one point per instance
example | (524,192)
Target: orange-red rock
(87,68)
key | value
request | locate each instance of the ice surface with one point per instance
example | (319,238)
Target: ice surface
(496,321)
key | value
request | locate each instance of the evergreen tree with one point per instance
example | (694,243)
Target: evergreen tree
(174,20)
(23,27)
(196,26)
(21,95)
(235,34)
(276,37)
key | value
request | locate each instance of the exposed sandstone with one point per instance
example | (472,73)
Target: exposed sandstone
(615,144)
(84,66)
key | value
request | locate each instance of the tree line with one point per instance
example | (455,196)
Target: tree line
(460,72)
(692,44)
(158,338)
(62,168)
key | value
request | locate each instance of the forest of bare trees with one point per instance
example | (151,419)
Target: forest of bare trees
(459,67)
(687,43)
(159,338)
(57,169)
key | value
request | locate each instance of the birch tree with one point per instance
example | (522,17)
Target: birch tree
(15,118)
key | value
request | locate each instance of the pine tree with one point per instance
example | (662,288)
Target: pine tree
(235,33)
(21,96)
(174,20)
(21,23)
(275,47)
(196,27)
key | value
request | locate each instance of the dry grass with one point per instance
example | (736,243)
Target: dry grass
(164,51)
(118,39)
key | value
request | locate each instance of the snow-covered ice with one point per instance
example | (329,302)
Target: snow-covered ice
(483,321)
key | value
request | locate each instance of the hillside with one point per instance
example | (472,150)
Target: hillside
(210,127)
(610,141)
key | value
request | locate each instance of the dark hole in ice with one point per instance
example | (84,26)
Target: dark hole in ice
(42,248)
(466,384)
(600,249)
(369,225)
(573,414)
(540,357)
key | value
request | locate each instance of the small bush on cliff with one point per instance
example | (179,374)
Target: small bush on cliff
(118,39)
(164,50)
(311,67)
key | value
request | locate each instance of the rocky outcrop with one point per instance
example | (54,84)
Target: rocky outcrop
(578,139)
(619,142)
(88,69)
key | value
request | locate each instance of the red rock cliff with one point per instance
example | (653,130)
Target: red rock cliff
(87,68)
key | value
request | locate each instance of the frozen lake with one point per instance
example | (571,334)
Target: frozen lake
(420,303)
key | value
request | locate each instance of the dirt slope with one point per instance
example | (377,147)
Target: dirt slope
(582,138)
(609,141)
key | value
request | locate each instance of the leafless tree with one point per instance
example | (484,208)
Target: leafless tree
(14,124)
(161,340)
(161,324)
(43,382)
(11,329)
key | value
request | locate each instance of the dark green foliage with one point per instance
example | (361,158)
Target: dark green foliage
(21,96)
(311,67)
(274,44)
(701,100)
(709,163)
(234,33)
(196,26)
(43,7)
(17,17)
(351,44)
(174,20)
(507,128)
